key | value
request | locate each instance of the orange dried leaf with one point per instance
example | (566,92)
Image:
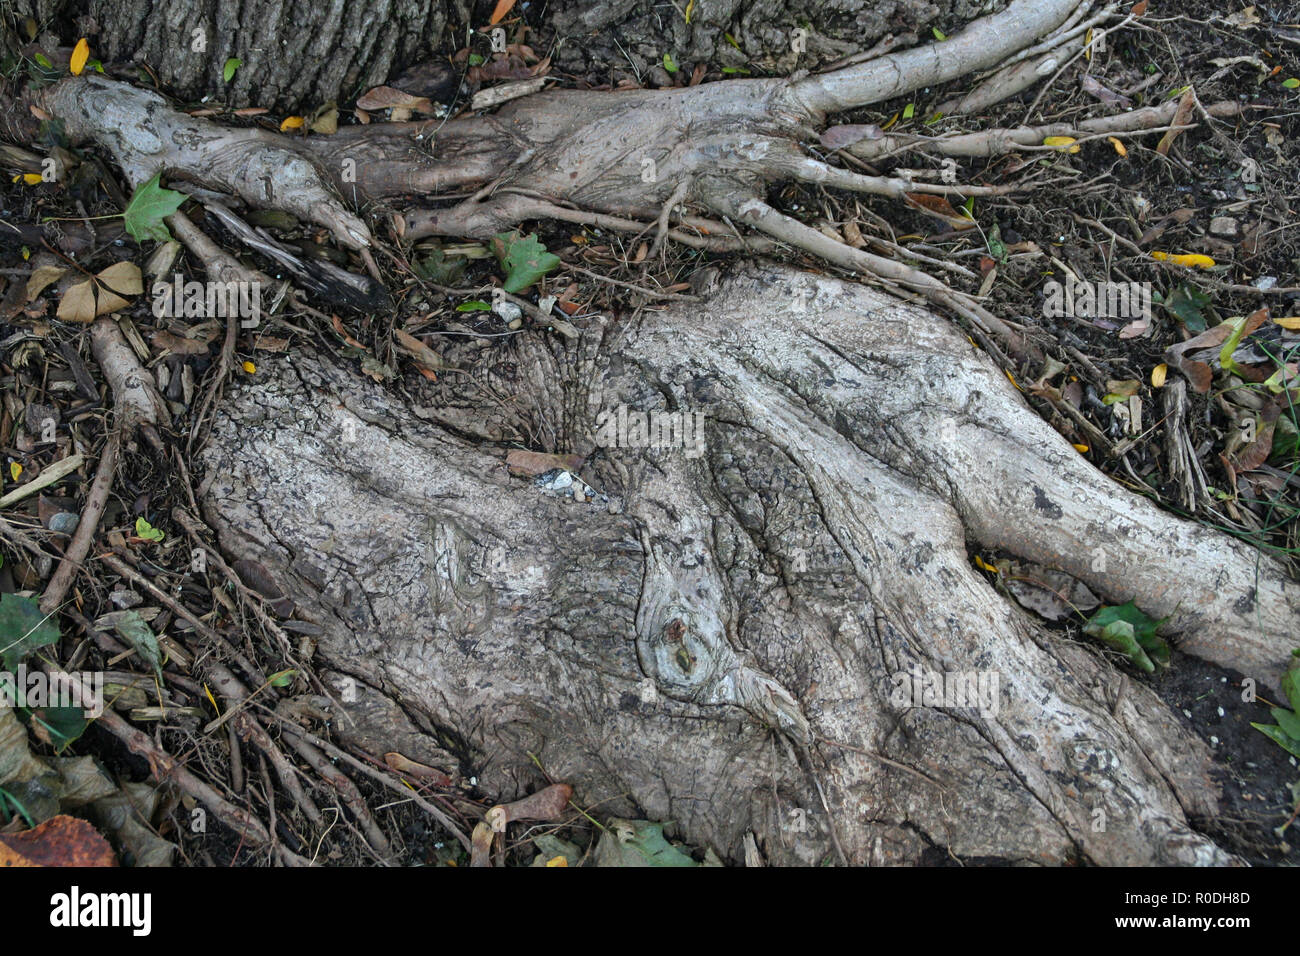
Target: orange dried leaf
(500,10)
(291,122)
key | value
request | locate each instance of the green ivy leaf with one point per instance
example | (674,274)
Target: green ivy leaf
(228,71)
(148,532)
(524,259)
(1187,304)
(23,629)
(148,207)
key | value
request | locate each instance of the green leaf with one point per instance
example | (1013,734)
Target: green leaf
(134,629)
(475,60)
(228,71)
(1291,83)
(997,248)
(1230,346)
(61,725)
(475,305)
(148,207)
(909,111)
(669,65)
(148,532)
(441,268)
(282,678)
(524,259)
(938,34)
(23,628)
(1288,720)
(1279,737)
(1291,681)
(44,61)
(638,843)
(1186,303)
(1131,632)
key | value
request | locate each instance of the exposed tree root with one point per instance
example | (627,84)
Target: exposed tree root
(643,650)
(716,643)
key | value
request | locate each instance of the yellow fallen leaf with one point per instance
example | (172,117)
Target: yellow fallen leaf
(1081,449)
(1158,375)
(31,179)
(557,861)
(80,54)
(15,469)
(1061,142)
(291,122)
(984,565)
(1014,382)
(1119,147)
(250,368)
(1289,321)
(1185,259)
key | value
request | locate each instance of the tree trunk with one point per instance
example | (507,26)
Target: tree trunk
(298,56)
(717,639)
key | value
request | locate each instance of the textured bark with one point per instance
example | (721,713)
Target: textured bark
(295,54)
(715,640)
(298,55)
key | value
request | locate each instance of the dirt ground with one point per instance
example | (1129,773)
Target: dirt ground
(1227,192)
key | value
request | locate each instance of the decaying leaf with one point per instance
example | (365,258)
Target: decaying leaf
(529,464)
(59,841)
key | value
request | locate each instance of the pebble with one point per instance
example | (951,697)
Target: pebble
(1225,227)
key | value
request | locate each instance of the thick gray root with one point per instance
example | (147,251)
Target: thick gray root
(721,635)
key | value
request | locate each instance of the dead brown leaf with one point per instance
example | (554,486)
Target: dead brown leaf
(59,841)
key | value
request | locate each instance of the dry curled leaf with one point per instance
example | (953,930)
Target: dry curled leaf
(389,98)
(101,294)
(529,464)
(548,803)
